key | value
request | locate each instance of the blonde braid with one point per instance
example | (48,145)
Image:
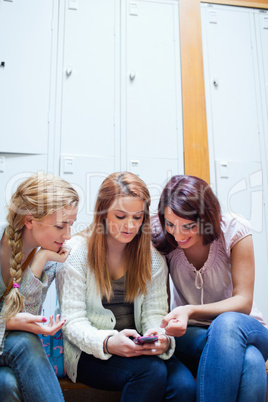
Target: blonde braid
(14,302)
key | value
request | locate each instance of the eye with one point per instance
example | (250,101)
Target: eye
(169,224)
(190,226)
(137,218)
(59,227)
(120,217)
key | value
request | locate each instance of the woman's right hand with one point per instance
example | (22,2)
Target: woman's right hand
(34,323)
(175,323)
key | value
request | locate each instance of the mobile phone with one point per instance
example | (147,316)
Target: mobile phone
(141,340)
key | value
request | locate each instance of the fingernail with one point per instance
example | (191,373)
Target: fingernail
(44,319)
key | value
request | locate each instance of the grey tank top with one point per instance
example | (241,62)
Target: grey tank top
(123,311)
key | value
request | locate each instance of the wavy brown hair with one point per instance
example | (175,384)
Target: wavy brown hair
(191,198)
(137,253)
(40,195)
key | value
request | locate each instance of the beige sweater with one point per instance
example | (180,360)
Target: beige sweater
(88,322)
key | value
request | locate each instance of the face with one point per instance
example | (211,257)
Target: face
(184,231)
(125,218)
(53,230)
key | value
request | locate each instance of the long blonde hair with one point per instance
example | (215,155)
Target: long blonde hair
(137,252)
(40,195)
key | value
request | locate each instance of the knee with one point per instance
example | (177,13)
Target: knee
(23,342)
(155,368)
(9,386)
(227,323)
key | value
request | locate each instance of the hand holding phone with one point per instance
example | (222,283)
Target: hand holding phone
(141,340)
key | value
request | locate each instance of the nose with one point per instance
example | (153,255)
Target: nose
(130,223)
(178,235)
(67,233)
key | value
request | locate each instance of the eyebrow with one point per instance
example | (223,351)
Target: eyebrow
(124,212)
(168,221)
(184,225)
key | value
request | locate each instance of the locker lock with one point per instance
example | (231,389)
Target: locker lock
(2,64)
(215,82)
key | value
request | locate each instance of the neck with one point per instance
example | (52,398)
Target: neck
(28,243)
(115,258)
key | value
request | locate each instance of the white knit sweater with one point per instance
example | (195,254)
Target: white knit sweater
(88,323)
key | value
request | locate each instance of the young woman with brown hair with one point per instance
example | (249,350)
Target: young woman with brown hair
(111,289)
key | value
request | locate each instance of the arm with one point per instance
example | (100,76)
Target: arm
(38,277)
(81,305)
(242,269)
(155,307)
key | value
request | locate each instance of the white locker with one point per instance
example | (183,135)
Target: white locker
(236,133)
(152,142)
(26,40)
(89,78)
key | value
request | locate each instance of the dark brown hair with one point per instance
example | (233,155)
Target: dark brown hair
(191,198)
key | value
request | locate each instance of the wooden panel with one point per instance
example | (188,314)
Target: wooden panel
(193,91)
(193,88)
(240,3)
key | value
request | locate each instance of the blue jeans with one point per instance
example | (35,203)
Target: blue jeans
(142,378)
(25,371)
(232,353)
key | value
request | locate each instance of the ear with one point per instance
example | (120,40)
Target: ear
(28,221)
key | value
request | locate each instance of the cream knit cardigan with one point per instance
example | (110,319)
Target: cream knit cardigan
(88,323)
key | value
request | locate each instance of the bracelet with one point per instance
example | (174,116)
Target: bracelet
(169,341)
(106,344)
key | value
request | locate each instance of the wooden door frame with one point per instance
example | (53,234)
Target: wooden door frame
(196,155)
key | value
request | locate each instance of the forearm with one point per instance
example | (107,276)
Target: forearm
(237,303)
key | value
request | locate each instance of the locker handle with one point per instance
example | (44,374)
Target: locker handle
(2,64)
(69,71)
(132,76)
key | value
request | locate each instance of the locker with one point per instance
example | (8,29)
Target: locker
(25,75)
(236,114)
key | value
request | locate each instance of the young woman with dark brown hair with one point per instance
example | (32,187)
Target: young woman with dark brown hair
(211,263)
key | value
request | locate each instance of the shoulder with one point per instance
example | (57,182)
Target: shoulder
(2,229)
(78,245)
(234,228)
(158,261)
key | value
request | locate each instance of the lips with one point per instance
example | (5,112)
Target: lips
(183,242)
(58,244)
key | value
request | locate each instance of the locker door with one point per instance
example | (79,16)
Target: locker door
(235,129)
(25,68)
(151,91)
(89,78)
(89,126)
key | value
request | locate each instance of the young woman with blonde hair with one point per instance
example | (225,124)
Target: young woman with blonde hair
(40,214)
(111,289)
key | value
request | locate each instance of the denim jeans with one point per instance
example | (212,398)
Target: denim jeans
(142,378)
(232,353)
(25,371)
